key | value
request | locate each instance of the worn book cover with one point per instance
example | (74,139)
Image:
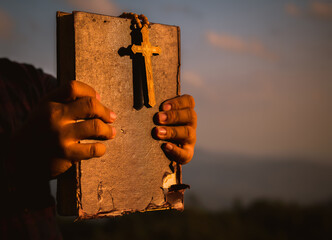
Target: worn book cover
(134,174)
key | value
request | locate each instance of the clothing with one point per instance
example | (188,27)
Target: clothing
(24,213)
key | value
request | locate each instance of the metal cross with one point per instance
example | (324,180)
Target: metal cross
(147,51)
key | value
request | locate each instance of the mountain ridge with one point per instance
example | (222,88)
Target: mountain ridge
(217,179)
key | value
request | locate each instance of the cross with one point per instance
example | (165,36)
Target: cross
(147,51)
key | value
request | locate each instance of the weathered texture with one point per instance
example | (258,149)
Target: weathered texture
(134,174)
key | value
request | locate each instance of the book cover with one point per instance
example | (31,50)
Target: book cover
(134,175)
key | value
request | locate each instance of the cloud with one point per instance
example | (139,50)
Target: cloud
(192,79)
(316,9)
(238,45)
(321,10)
(6,25)
(97,6)
(293,9)
(194,82)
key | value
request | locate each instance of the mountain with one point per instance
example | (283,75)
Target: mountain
(217,179)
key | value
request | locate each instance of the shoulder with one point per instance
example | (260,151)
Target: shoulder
(8,65)
(22,87)
(26,74)
(5,63)
(16,68)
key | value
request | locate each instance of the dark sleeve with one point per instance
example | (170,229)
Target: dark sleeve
(22,87)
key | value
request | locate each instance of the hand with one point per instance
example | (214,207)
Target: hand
(50,139)
(178,121)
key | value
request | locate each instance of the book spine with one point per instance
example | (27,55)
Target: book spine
(67,182)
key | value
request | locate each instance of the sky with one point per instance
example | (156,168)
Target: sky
(260,71)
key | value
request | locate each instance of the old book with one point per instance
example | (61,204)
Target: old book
(134,174)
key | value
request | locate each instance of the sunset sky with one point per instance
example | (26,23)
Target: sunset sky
(260,71)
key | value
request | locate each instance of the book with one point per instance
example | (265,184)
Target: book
(134,175)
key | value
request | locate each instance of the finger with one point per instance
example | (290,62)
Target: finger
(59,166)
(184,101)
(89,107)
(178,154)
(93,129)
(72,90)
(83,151)
(180,134)
(178,117)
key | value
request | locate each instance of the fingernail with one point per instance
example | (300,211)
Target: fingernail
(113,115)
(113,132)
(167,107)
(161,131)
(98,96)
(162,117)
(169,147)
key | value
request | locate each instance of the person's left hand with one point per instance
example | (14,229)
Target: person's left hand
(177,124)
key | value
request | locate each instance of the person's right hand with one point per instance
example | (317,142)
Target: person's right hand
(50,141)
